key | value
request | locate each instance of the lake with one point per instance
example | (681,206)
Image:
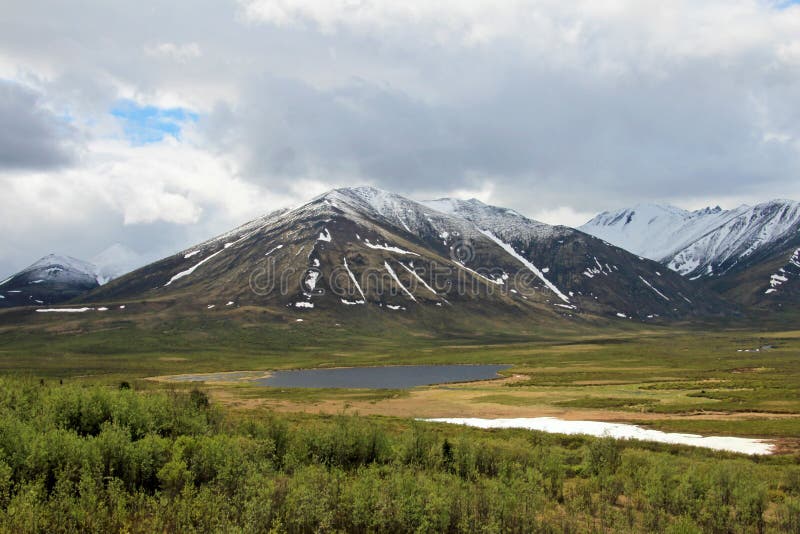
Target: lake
(386,377)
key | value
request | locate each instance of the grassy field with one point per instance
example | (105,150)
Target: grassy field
(88,395)
(699,379)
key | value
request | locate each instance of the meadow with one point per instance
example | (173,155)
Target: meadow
(91,441)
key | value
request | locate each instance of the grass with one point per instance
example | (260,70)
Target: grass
(618,372)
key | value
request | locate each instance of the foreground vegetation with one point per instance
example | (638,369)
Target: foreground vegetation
(111,458)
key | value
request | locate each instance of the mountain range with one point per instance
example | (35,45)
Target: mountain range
(747,254)
(363,250)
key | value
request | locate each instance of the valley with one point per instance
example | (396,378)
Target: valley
(598,363)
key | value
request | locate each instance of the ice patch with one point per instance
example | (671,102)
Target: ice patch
(619,431)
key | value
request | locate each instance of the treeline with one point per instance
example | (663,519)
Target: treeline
(102,459)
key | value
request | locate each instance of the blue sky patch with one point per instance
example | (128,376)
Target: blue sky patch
(149,124)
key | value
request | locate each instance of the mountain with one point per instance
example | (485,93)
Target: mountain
(657,231)
(358,250)
(741,240)
(747,254)
(51,280)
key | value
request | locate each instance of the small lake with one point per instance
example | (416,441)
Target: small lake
(387,377)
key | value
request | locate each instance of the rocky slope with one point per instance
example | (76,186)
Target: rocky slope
(362,249)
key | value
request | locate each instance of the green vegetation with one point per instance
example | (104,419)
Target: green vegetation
(114,458)
(109,451)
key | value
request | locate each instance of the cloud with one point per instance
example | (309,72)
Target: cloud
(556,109)
(31,135)
(176,52)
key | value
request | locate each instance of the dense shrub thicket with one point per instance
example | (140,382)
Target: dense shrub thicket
(102,459)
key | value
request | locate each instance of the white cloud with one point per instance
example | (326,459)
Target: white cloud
(176,52)
(564,215)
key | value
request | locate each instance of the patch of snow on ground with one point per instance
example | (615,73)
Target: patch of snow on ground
(508,248)
(36,282)
(622,315)
(419,279)
(190,270)
(229,303)
(210,306)
(352,302)
(303,304)
(386,246)
(393,307)
(325,235)
(6,280)
(476,273)
(190,254)
(353,278)
(103,308)
(619,431)
(397,280)
(273,249)
(648,284)
(310,281)
(64,310)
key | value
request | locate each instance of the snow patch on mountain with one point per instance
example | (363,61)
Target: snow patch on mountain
(508,248)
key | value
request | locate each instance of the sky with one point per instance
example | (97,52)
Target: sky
(153,126)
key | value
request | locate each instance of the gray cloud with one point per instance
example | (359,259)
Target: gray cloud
(32,136)
(586,105)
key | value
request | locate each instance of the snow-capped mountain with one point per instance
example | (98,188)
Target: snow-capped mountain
(363,250)
(739,238)
(657,231)
(50,280)
(745,254)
